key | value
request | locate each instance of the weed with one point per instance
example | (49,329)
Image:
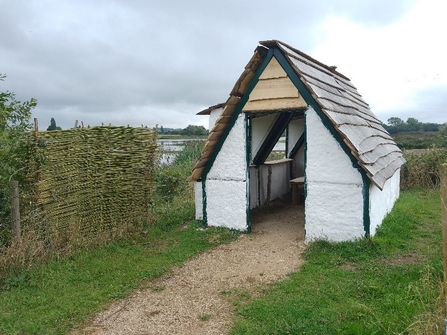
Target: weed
(428,293)
(423,168)
(237,296)
(159,288)
(205,317)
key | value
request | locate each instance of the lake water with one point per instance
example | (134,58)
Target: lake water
(170,148)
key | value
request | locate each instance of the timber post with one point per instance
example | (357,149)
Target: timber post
(444,234)
(15,209)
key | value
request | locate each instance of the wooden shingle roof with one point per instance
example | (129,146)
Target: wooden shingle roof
(335,96)
(210,109)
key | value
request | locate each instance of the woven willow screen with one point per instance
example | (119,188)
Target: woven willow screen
(91,184)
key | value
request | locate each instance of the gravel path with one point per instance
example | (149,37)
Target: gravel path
(190,299)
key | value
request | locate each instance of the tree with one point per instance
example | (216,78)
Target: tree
(413,124)
(395,122)
(430,127)
(53,125)
(443,130)
(195,130)
(15,142)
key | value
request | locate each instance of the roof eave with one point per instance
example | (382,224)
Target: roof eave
(210,109)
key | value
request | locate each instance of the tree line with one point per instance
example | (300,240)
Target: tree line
(191,130)
(397,125)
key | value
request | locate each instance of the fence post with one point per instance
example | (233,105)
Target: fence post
(15,209)
(444,233)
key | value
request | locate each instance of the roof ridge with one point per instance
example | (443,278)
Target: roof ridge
(331,69)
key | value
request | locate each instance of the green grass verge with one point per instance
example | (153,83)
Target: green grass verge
(386,285)
(55,298)
(390,284)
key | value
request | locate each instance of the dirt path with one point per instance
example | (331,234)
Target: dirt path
(192,299)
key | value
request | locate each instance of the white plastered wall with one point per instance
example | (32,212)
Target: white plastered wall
(295,131)
(198,199)
(262,189)
(225,185)
(214,115)
(198,196)
(334,199)
(254,188)
(298,169)
(279,178)
(382,202)
(260,127)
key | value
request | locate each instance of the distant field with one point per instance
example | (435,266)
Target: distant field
(420,140)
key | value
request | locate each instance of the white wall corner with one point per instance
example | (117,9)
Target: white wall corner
(334,200)
(198,198)
(230,163)
(227,204)
(381,202)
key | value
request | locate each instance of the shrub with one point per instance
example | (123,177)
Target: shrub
(423,168)
(15,149)
(189,155)
(173,193)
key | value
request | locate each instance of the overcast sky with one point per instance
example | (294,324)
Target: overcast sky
(160,62)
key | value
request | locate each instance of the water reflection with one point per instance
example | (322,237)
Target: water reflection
(169,149)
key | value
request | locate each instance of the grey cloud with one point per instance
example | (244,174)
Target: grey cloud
(371,13)
(138,61)
(427,105)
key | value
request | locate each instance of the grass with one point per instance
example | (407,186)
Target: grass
(54,298)
(389,284)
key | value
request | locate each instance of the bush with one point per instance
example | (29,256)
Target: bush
(422,139)
(15,149)
(173,193)
(189,155)
(423,168)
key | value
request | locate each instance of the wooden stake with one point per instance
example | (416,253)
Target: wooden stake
(444,229)
(15,209)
